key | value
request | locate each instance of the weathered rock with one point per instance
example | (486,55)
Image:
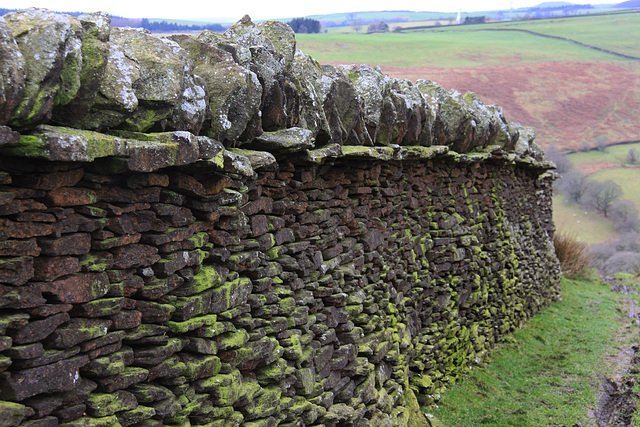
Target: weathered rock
(268,63)
(92,65)
(288,140)
(307,112)
(51,48)
(159,86)
(343,108)
(12,71)
(116,99)
(234,92)
(59,376)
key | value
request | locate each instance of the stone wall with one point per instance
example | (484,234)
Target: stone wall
(286,244)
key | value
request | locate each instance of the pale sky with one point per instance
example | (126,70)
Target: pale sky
(232,10)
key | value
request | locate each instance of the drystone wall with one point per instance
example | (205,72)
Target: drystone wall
(285,244)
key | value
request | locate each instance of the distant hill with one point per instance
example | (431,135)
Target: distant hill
(628,4)
(554,4)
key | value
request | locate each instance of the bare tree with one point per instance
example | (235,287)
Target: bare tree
(601,194)
(623,213)
(574,185)
(632,156)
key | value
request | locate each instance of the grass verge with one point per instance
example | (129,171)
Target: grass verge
(550,371)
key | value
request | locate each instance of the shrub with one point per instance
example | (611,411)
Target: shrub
(622,262)
(624,216)
(573,254)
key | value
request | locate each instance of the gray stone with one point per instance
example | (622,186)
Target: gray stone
(308,113)
(51,47)
(235,93)
(12,73)
(93,54)
(285,140)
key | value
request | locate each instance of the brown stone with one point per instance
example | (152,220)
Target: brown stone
(78,288)
(51,181)
(26,296)
(172,235)
(56,377)
(222,238)
(136,222)
(103,341)
(19,247)
(215,186)
(259,225)
(50,268)
(77,331)
(23,230)
(153,312)
(187,184)
(16,271)
(70,413)
(262,204)
(135,256)
(72,244)
(114,242)
(47,358)
(130,376)
(125,195)
(71,196)
(99,308)
(35,217)
(127,319)
(104,350)
(28,351)
(148,180)
(48,310)
(8,136)
(39,329)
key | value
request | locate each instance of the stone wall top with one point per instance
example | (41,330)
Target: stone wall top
(77,89)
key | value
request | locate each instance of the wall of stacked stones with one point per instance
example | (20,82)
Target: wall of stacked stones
(308,295)
(220,231)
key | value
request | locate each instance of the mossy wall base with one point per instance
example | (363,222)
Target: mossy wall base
(305,294)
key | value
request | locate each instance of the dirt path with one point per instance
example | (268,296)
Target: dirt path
(618,401)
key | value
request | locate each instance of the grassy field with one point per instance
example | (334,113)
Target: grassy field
(550,372)
(445,48)
(618,32)
(587,225)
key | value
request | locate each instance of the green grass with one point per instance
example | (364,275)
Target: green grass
(442,49)
(618,32)
(587,225)
(550,372)
(615,154)
(466,46)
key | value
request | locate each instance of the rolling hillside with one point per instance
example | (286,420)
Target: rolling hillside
(572,93)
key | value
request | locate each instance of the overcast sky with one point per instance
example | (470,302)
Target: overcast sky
(259,9)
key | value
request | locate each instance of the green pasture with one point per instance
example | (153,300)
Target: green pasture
(549,373)
(587,225)
(443,49)
(471,45)
(618,32)
(615,154)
